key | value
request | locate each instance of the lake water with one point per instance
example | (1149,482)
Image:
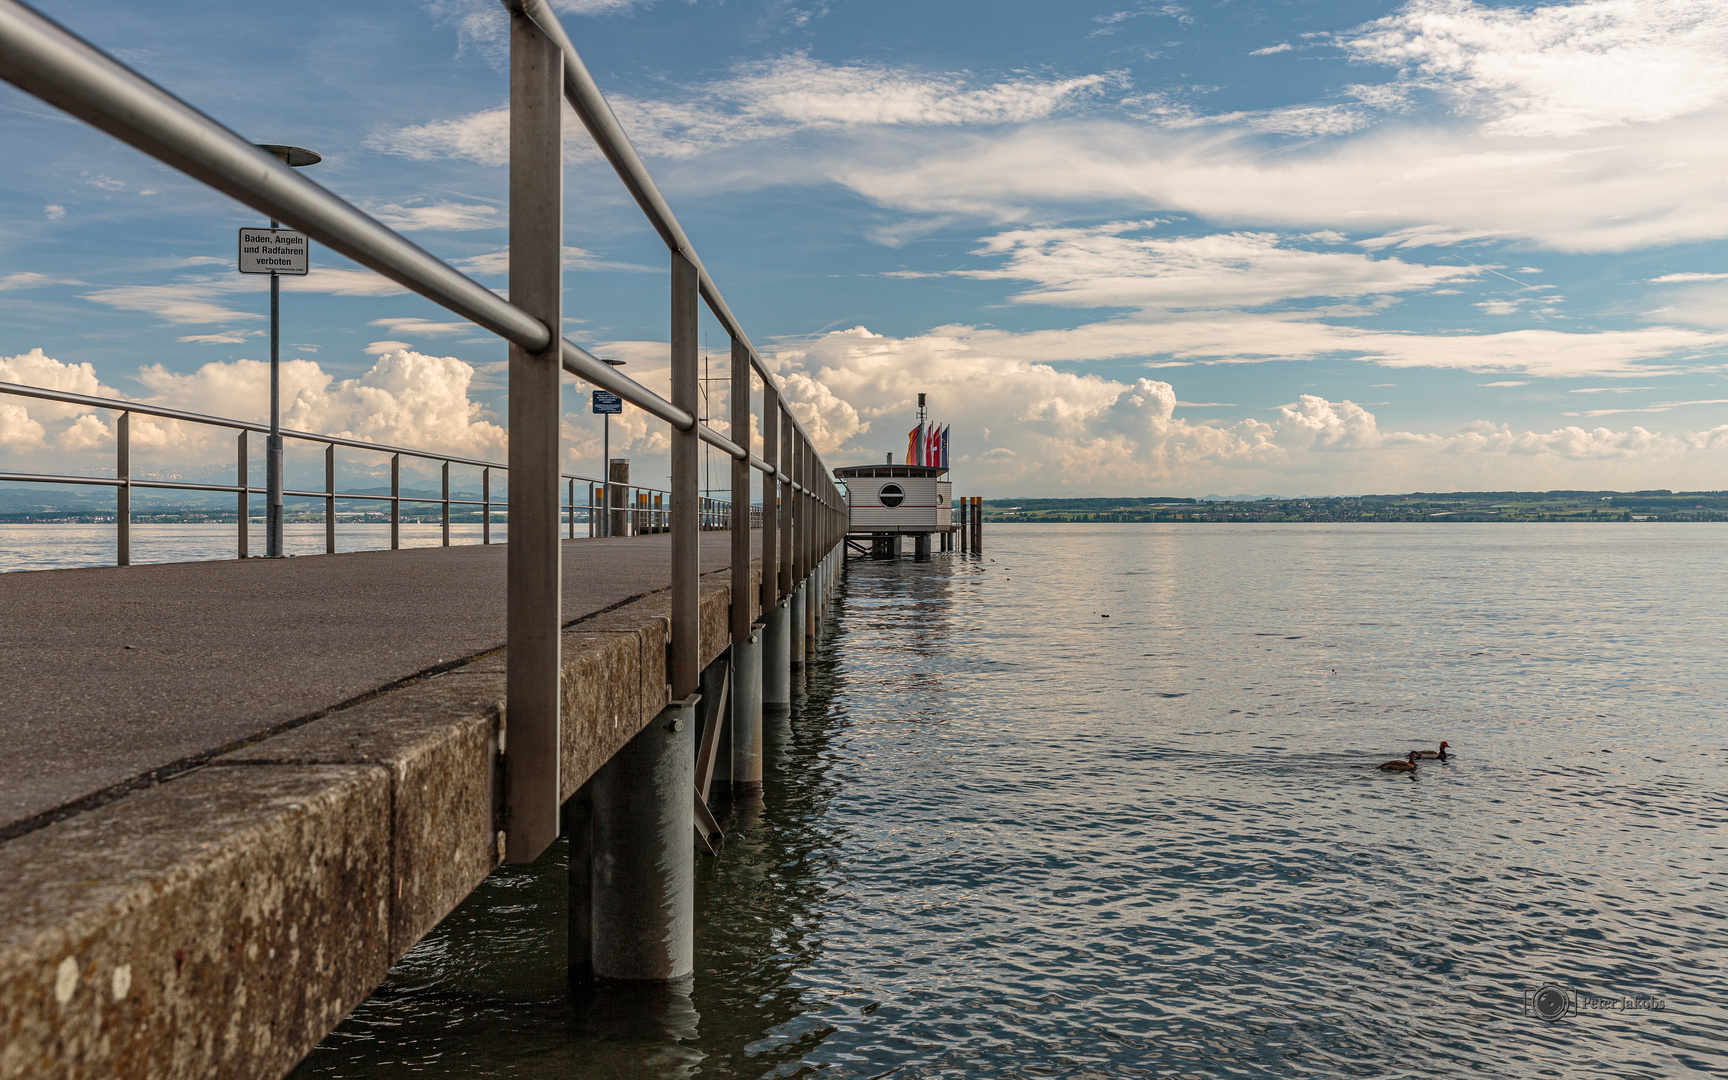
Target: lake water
(1006,836)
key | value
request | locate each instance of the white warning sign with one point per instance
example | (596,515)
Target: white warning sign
(274,251)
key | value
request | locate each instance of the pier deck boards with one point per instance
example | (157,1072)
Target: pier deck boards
(221,652)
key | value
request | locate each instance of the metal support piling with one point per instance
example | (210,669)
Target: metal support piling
(746,765)
(777,658)
(578,824)
(800,622)
(644,877)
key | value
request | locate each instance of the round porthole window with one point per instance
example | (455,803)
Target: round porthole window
(891,495)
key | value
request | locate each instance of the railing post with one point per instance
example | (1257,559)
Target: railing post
(812,511)
(123,492)
(800,511)
(784,422)
(746,765)
(532,787)
(686,455)
(244,493)
(395,501)
(770,497)
(445,516)
(330,499)
(485,506)
(740,523)
(572,508)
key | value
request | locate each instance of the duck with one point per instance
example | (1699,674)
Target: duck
(1407,765)
(1434,755)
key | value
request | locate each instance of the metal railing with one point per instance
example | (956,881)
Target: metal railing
(635,519)
(806,517)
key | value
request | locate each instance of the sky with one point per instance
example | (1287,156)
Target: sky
(1127,249)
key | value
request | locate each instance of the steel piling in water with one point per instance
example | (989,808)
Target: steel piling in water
(777,658)
(798,625)
(644,863)
(747,715)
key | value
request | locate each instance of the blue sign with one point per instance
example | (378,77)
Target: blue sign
(607,402)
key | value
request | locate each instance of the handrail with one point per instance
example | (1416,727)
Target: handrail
(585,365)
(126,405)
(44,58)
(592,108)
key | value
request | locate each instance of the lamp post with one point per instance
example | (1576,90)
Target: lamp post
(606,464)
(298,157)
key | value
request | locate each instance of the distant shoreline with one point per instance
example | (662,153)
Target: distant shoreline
(1556,507)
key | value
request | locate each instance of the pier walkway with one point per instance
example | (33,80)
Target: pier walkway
(233,794)
(119,676)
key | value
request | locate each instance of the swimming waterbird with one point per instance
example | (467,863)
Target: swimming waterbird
(1407,765)
(1434,755)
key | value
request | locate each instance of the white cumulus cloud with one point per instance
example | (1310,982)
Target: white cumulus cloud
(1026,427)
(1559,69)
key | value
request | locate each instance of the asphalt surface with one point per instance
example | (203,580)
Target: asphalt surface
(113,673)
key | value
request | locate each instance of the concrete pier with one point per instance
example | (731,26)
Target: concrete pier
(253,875)
(644,890)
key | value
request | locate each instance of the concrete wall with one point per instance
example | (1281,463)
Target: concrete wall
(220,924)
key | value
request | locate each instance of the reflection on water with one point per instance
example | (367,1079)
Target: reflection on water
(1004,835)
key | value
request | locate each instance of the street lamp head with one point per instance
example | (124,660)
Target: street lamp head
(297,156)
(614,363)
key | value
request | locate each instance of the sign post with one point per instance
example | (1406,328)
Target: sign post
(276,251)
(605,404)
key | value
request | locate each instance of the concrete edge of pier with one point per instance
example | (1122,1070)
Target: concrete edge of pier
(224,921)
